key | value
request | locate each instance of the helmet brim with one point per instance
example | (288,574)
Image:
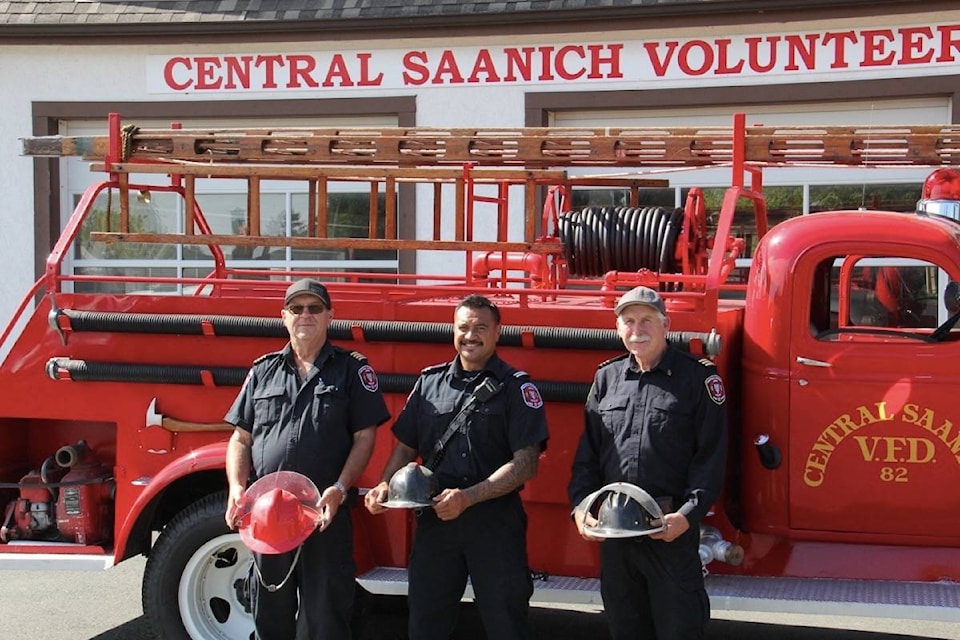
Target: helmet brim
(612,532)
(629,491)
(405,504)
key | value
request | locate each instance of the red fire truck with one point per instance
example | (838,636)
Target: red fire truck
(838,356)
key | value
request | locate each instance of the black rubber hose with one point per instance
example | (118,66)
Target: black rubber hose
(601,239)
(391,331)
(84,371)
(608,240)
(173,324)
(373,330)
(643,238)
(628,215)
(402,383)
(633,260)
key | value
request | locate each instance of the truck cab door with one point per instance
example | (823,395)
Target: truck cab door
(874,423)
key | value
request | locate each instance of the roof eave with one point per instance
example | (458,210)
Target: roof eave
(584,18)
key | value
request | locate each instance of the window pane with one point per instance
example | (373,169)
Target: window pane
(226,213)
(884,197)
(874,291)
(783,202)
(348,216)
(149,213)
(605,197)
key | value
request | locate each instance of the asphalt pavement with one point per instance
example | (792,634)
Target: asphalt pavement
(70,605)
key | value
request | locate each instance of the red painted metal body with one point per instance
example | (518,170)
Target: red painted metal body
(884,406)
(832,508)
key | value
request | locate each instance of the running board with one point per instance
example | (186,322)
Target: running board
(55,562)
(934,601)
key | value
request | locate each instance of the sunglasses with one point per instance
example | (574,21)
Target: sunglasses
(312,309)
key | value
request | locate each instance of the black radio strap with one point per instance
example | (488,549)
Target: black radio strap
(484,391)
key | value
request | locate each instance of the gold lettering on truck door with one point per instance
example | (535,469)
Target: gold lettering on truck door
(884,449)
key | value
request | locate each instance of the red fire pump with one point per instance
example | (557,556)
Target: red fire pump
(69,499)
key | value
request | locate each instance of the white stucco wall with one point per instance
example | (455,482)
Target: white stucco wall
(130,73)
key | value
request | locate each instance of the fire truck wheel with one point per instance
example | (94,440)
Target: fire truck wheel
(195,581)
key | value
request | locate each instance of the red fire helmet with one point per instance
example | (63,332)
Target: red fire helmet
(941,194)
(278,512)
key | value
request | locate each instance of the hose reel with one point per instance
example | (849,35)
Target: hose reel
(598,240)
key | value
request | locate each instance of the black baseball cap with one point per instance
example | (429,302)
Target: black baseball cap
(308,286)
(641,295)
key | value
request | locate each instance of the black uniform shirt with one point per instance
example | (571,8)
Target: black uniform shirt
(663,430)
(511,420)
(307,426)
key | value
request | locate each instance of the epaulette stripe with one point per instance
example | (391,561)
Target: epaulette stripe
(707,362)
(272,354)
(434,367)
(611,360)
(359,356)
(521,374)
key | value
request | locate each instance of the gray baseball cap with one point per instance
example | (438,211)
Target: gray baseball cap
(641,295)
(308,286)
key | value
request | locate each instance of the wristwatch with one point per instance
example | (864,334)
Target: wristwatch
(342,489)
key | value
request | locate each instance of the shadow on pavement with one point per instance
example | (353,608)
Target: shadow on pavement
(137,629)
(387,621)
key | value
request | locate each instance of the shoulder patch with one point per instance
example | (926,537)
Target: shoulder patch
(707,362)
(368,378)
(531,395)
(359,356)
(715,389)
(612,360)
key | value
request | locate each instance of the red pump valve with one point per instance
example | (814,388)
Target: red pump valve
(941,194)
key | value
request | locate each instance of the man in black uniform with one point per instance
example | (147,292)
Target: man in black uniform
(312,408)
(477,525)
(654,418)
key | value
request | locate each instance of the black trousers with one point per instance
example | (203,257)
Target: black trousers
(653,590)
(488,543)
(321,587)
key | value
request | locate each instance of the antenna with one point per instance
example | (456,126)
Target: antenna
(866,159)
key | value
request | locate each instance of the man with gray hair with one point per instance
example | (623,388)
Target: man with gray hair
(313,408)
(655,418)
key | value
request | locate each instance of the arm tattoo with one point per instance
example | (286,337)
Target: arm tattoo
(507,478)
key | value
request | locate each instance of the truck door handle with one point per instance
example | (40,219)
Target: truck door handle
(813,363)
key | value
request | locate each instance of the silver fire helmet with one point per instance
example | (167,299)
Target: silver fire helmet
(411,487)
(627,511)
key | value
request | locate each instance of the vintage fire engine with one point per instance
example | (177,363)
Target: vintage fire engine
(838,357)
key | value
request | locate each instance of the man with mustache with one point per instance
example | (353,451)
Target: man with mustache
(477,525)
(313,408)
(655,417)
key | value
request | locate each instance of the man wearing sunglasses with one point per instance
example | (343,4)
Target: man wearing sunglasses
(312,408)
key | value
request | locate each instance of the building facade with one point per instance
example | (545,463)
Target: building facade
(261,63)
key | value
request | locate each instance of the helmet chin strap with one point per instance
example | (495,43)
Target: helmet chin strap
(276,587)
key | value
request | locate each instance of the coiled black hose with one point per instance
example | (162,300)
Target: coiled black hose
(602,239)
